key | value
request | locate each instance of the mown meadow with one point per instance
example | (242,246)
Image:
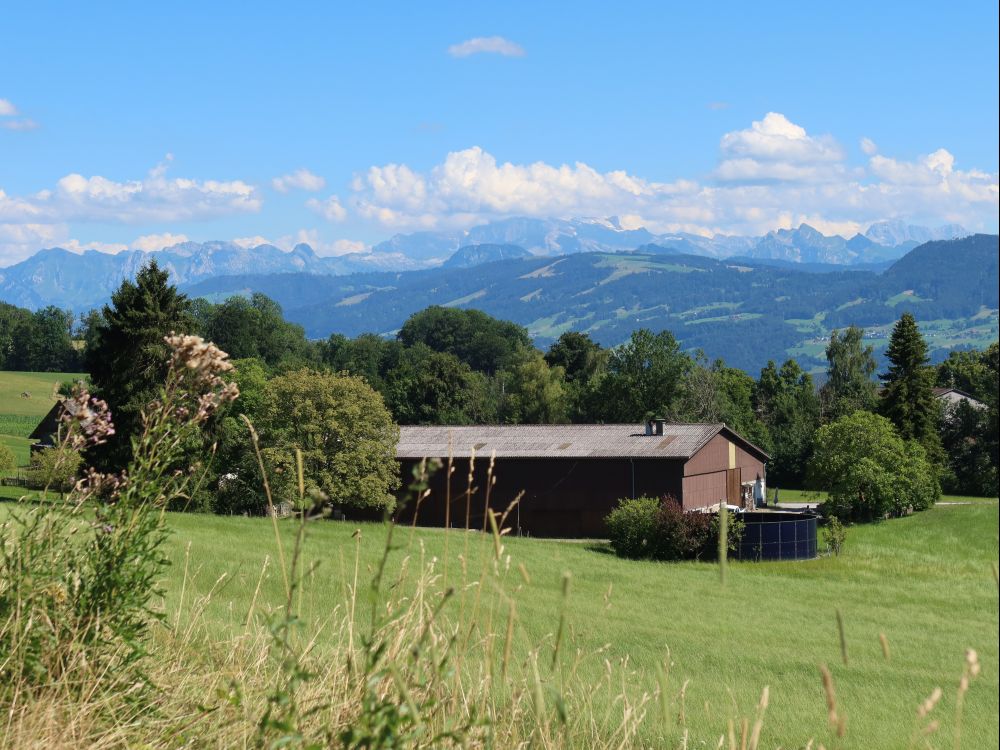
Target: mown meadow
(628,633)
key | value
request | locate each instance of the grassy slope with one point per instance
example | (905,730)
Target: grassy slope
(19,416)
(924,581)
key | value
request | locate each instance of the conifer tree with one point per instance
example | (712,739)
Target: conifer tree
(908,398)
(127,356)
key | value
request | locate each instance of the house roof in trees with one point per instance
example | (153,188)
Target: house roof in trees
(679,441)
(954,395)
(49,425)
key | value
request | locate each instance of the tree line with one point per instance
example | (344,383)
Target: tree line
(456,366)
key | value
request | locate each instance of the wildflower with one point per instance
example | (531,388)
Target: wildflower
(96,484)
(88,419)
(203,364)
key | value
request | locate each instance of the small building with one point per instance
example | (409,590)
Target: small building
(952,397)
(47,431)
(572,476)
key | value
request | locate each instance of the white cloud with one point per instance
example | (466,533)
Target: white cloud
(111,248)
(869,146)
(249,242)
(23,124)
(300,179)
(329,208)
(7,108)
(19,240)
(495,45)
(41,219)
(156,198)
(152,242)
(321,247)
(349,247)
(775,148)
(770,175)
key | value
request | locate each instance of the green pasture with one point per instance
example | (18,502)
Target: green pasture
(26,397)
(927,582)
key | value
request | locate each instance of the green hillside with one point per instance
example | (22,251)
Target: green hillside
(26,397)
(742,310)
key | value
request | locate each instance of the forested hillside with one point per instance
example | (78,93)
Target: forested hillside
(744,311)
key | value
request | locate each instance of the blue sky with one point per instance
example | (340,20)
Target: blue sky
(137,124)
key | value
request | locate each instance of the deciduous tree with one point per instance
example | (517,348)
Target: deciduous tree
(849,384)
(345,433)
(869,470)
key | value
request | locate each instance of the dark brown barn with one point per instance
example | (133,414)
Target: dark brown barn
(47,431)
(572,476)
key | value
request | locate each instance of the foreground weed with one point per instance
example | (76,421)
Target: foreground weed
(77,580)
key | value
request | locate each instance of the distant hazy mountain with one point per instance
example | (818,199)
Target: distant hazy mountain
(893,233)
(58,277)
(476,255)
(747,311)
(883,242)
(80,281)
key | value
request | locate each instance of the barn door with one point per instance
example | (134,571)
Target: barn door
(733,486)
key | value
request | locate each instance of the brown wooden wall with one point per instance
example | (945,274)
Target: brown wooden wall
(563,497)
(704,489)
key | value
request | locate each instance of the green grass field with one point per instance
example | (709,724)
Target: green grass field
(19,414)
(927,582)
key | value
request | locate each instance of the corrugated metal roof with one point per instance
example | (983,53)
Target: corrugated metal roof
(555,441)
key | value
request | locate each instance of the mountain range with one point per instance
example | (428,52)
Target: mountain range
(56,276)
(745,310)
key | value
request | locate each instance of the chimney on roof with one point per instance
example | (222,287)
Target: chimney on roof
(649,427)
(659,422)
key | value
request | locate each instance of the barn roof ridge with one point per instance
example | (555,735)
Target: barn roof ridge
(679,440)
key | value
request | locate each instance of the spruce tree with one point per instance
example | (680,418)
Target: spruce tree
(127,356)
(908,398)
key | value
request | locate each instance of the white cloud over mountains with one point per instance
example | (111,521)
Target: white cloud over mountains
(42,219)
(773,174)
(155,198)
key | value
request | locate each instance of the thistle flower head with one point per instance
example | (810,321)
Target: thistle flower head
(88,419)
(202,364)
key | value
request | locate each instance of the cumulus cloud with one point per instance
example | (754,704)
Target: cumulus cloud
(775,148)
(41,219)
(495,45)
(155,198)
(7,108)
(329,208)
(300,179)
(868,146)
(770,175)
(153,242)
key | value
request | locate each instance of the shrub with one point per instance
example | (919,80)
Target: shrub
(652,529)
(834,535)
(632,526)
(54,469)
(7,460)
(680,535)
